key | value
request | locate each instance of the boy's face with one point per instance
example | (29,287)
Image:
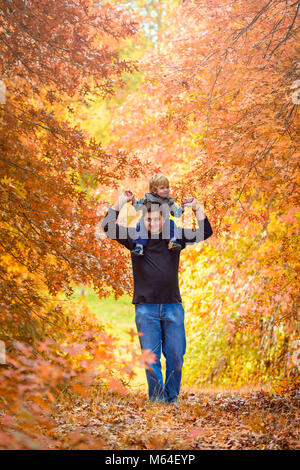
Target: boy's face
(163,190)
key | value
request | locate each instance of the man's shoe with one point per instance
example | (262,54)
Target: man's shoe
(157,400)
(174,246)
(174,402)
(137,251)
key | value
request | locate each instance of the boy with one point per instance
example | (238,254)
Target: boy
(159,192)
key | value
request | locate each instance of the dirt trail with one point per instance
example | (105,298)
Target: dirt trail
(202,420)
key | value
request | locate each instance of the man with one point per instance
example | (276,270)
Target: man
(159,314)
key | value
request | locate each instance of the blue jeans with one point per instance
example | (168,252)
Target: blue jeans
(162,328)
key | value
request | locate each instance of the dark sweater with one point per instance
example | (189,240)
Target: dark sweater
(155,274)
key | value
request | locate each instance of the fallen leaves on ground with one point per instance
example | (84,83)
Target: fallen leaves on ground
(202,420)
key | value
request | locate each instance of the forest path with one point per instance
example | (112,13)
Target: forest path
(201,420)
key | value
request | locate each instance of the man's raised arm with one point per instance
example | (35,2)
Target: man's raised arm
(204,229)
(109,223)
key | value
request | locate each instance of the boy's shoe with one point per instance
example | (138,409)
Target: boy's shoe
(137,251)
(174,246)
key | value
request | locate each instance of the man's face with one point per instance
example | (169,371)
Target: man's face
(153,222)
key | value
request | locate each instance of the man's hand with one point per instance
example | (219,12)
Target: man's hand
(185,200)
(189,202)
(125,197)
(192,202)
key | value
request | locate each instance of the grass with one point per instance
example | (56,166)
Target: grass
(118,317)
(117,314)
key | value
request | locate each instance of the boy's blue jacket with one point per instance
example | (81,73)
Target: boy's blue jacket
(175,210)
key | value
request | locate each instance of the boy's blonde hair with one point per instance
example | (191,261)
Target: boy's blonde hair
(157,181)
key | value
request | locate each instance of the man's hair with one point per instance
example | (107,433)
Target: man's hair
(154,207)
(156,181)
